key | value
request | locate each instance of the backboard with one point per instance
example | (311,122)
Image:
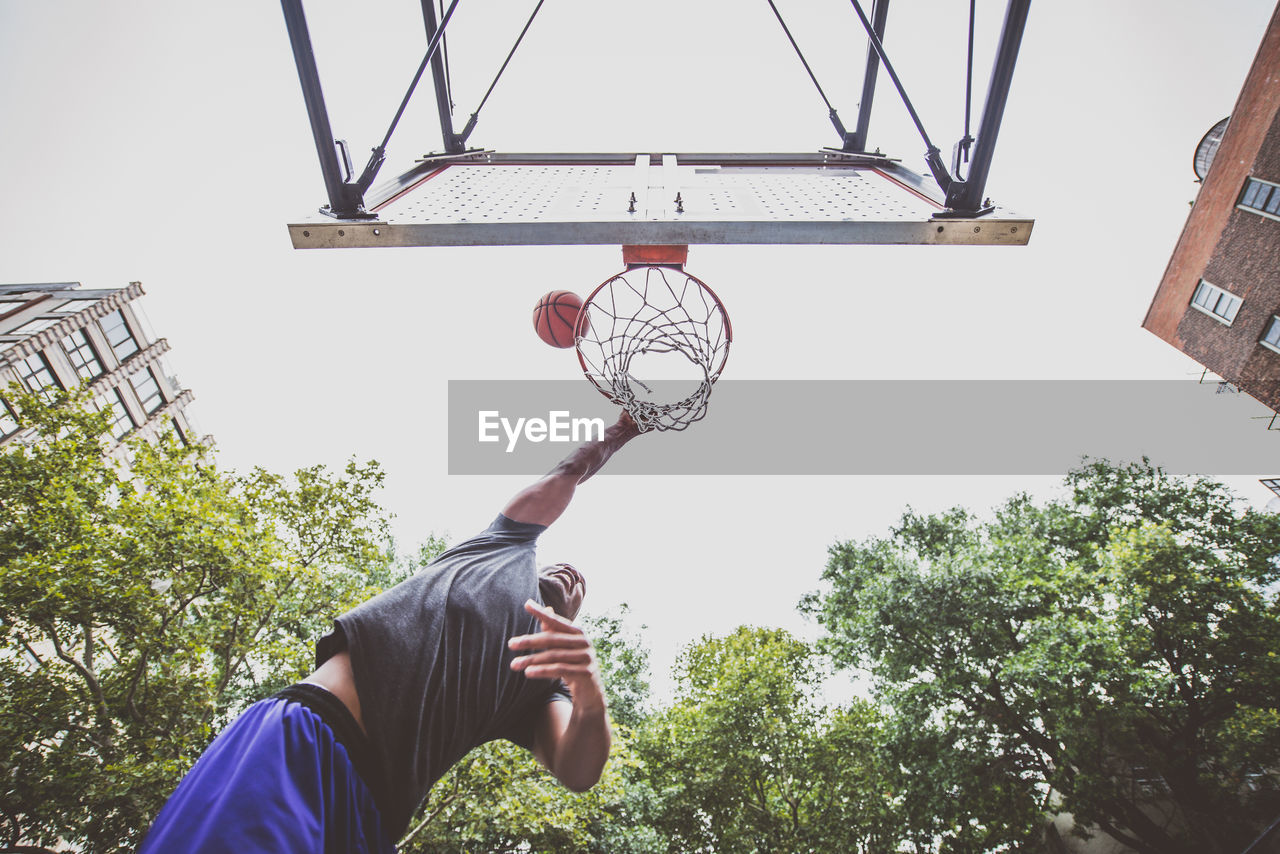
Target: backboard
(495,199)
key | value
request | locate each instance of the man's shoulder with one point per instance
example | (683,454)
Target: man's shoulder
(502,532)
(509,528)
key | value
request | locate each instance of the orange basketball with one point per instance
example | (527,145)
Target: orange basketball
(555,318)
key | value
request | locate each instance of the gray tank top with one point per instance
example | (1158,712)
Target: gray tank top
(432,667)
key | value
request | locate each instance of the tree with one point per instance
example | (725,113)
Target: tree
(624,666)
(1114,654)
(141,608)
(626,825)
(498,799)
(748,760)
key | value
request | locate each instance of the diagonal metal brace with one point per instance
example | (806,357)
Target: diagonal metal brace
(380,152)
(932,156)
(346,197)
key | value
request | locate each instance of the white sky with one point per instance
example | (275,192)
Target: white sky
(168,143)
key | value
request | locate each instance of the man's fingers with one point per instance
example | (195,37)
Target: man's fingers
(550,619)
(560,656)
(549,640)
(567,672)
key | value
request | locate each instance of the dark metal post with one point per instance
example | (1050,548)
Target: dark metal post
(452,144)
(344,200)
(858,140)
(967,195)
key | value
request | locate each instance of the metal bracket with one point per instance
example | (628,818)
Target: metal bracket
(346,196)
(963,196)
(987,207)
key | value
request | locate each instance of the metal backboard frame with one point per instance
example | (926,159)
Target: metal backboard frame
(493,199)
(845,194)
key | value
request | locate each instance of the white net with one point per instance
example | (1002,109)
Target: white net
(654,340)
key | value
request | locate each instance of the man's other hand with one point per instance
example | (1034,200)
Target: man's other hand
(560,651)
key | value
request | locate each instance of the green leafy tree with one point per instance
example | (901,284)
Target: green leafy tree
(624,666)
(748,760)
(1114,654)
(498,799)
(626,825)
(142,607)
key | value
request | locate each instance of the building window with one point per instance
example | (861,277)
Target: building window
(123,344)
(121,423)
(80,353)
(36,375)
(1271,335)
(1147,783)
(1214,301)
(1261,197)
(8,421)
(9,305)
(1271,483)
(144,383)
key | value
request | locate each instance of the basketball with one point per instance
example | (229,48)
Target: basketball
(555,318)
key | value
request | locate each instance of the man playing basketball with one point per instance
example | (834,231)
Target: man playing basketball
(479,645)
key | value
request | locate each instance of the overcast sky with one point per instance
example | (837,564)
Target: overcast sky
(168,143)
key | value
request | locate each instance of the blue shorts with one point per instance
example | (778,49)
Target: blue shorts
(277,780)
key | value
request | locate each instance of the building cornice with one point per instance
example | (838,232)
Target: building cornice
(47,337)
(141,359)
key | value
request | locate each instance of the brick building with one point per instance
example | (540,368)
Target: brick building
(56,336)
(1219,300)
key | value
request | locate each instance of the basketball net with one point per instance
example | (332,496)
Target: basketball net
(653,340)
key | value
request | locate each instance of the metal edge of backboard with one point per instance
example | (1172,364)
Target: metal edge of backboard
(985,231)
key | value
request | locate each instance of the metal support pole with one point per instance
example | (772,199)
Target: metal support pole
(966,196)
(452,144)
(344,199)
(858,140)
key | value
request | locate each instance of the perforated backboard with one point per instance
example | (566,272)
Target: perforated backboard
(490,199)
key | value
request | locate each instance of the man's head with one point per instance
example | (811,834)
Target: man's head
(563,589)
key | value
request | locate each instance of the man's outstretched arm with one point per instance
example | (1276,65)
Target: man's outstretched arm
(543,502)
(570,739)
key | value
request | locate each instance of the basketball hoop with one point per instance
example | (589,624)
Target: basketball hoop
(654,339)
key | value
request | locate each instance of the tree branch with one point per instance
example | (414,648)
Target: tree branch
(90,678)
(101,735)
(134,681)
(444,802)
(34,655)
(1120,836)
(1153,839)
